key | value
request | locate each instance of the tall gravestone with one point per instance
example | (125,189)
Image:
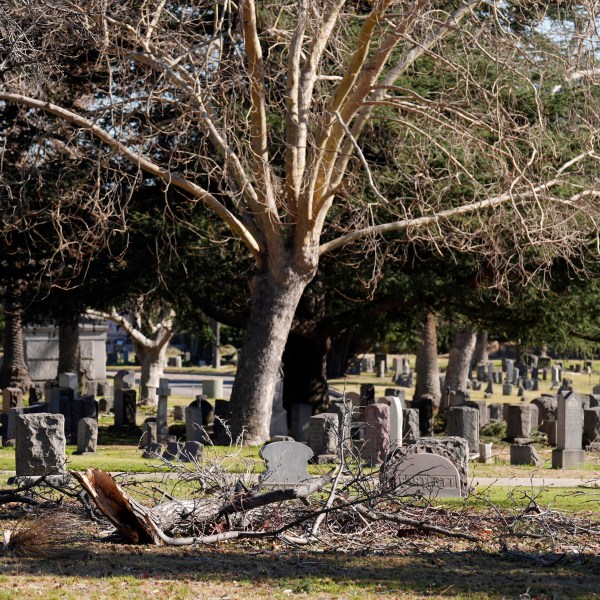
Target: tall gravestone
(411,430)
(463,421)
(569,423)
(124,382)
(396,423)
(518,421)
(87,435)
(377,433)
(162,427)
(193,423)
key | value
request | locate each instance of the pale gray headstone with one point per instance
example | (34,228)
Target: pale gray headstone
(213,388)
(396,423)
(485,453)
(87,435)
(286,464)
(570,421)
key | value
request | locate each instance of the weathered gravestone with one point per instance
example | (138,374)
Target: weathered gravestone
(300,414)
(425,405)
(153,450)
(485,453)
(323,438)
(524,454)
(482,407)
(124,383)
(434,467)
(411,430)
(569,425)
(179,413)
(193,423)
(518,421)
(173,451)
(495,412)
(148,433)
(377,434)
(507,389)
(286,464)
(11,398)
(40,446)
(546,406)
(396,423)
(84,407)
(463,421)
(193,452)
(87,435)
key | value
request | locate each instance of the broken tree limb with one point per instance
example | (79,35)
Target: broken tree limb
(142,525)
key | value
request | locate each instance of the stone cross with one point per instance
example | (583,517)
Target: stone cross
(286,464)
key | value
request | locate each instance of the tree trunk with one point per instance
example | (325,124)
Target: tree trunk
(459,363)
(305,370)
(480,355)
(274,303)
(427,369)
(152,361)
(14,371)
(69,359)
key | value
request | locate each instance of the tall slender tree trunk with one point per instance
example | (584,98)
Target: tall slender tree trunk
(14,371)
(459,363)
(69,358)
(152,360)
(480,354)
(427,368)
(274,303)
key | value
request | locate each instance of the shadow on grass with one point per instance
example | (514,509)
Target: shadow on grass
(439,573)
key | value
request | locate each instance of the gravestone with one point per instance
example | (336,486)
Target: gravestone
(381,357)
(213,388)
(495,412)
(591,426)
(507,389)
(556,372)
(485,453)
(84,407)
(105,405)
(173,451)
(323,438)
(286,464)
(569,425)
(343,409)
(518,421)
(594,400)
(179,413)
(162,426)
(425,405)
(396,423)
(124,382)
(524,455)
(192,451)
(279,417)
(429,476)
(300,415)
(11,398)
(367,394)
(222,415)
(510,370)
(411,430)
(128,403)
(40,445)
(481,372)
(381,370)
(463,421)
(148,433)
(535,415)
(490,386)
(193,423)
(377,434)
(153,450)
(482,407)
(87,435)
(69,381)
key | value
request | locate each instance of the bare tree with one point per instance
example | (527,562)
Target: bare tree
(151,329)
(262,116)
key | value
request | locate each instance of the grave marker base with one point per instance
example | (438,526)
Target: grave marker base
(563,459)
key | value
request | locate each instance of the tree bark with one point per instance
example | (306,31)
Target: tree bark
(152,360)
(274,303)
(481,348)
(14,371)
(69,359)
(305,370)
(459,363)
(427,368)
